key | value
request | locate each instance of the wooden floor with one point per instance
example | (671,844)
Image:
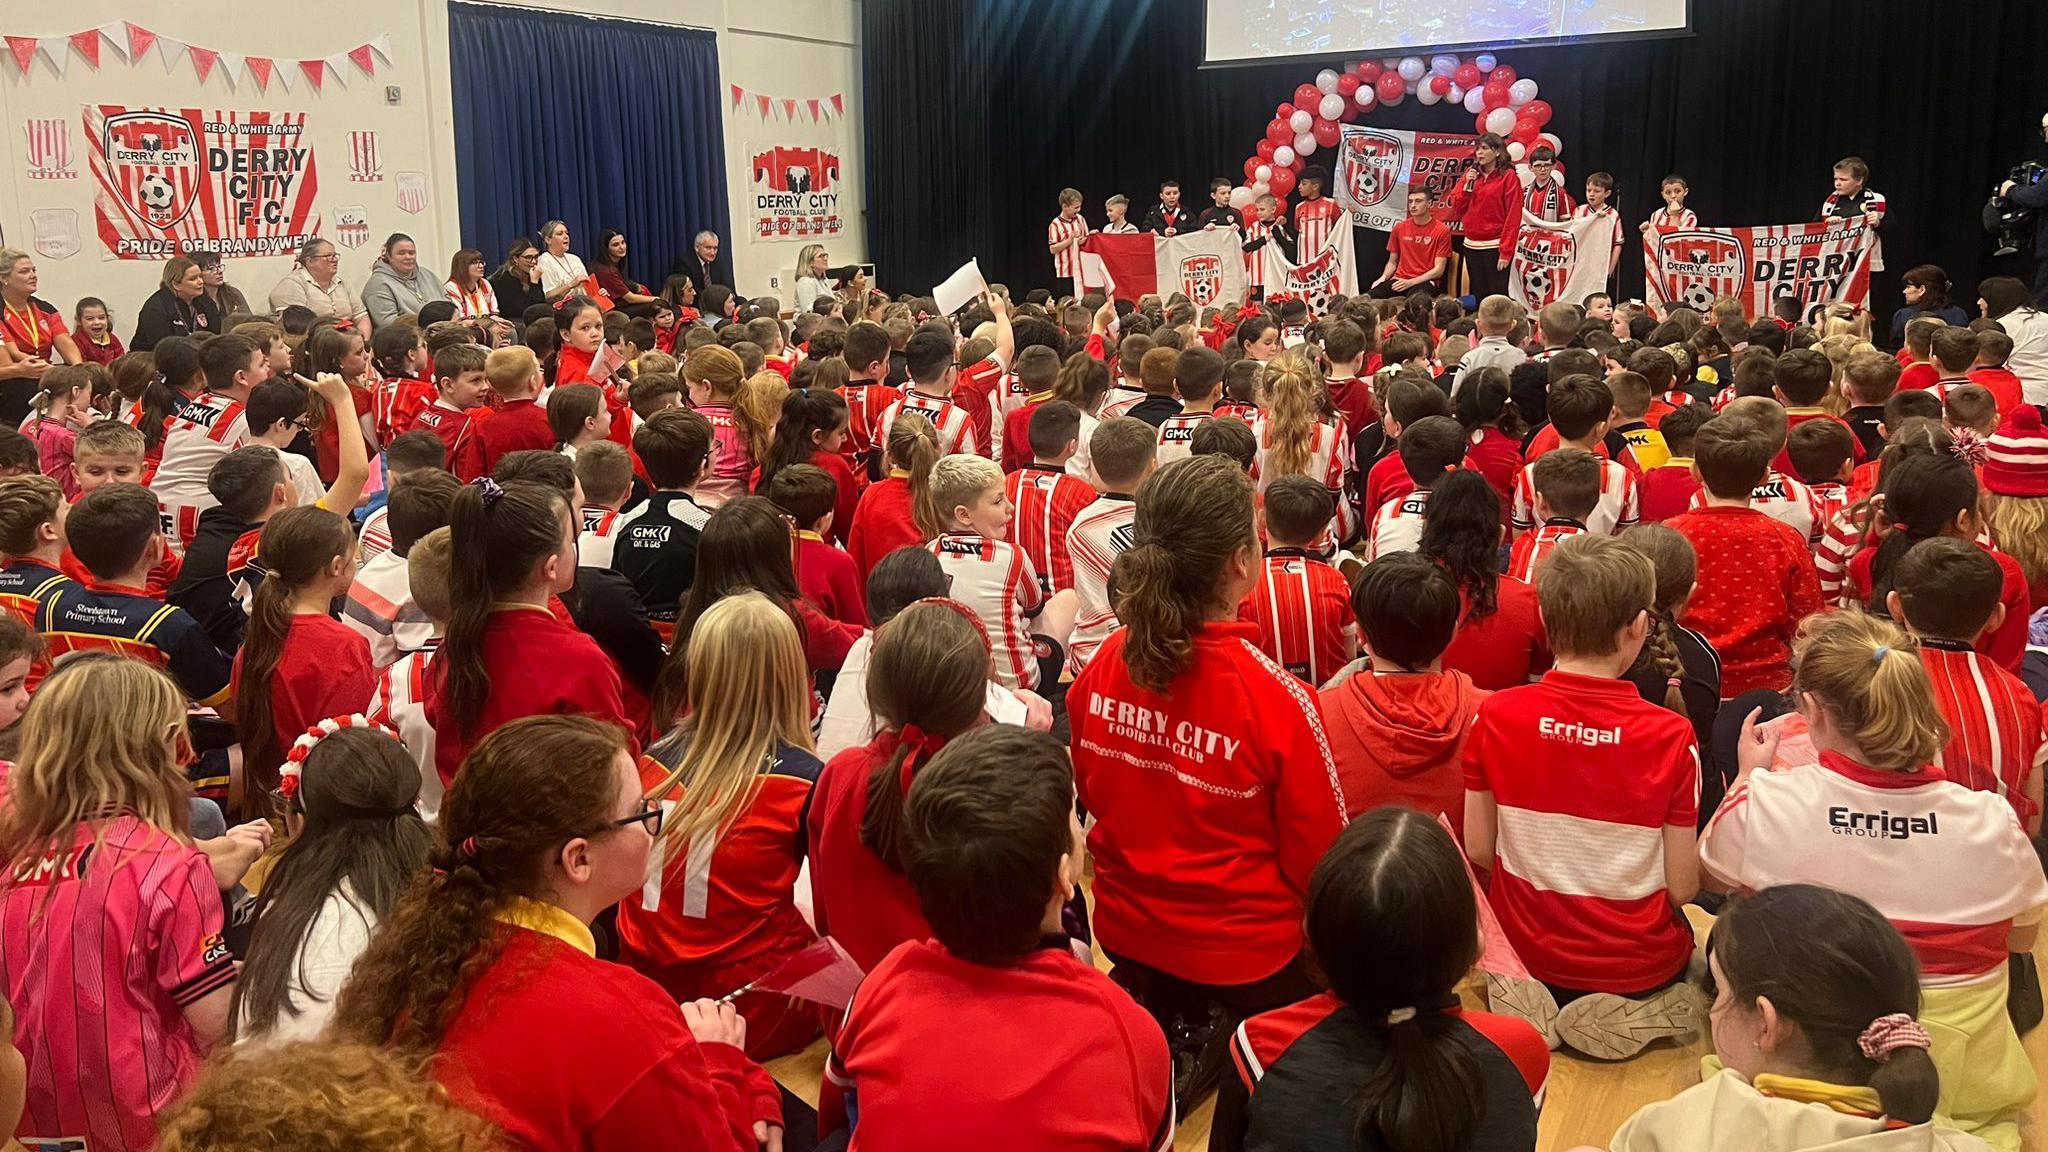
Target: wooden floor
(1587,1099)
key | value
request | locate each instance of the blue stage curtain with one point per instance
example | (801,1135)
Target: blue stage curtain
(600,123)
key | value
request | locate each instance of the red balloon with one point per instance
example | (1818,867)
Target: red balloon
(1390,87)
(1479,123)
(1281,209)
(1347,84)
(1351,111)
(1251,165)
(1279,133)
(1495,96)
(1468,76)
(1265,150)
(1440,85)
(1503,74)
(1526,133)
(1307,96)
(1540,109)
(1283,111)
(1369,72)
(1524,120)
(1281,182)
(1327,133)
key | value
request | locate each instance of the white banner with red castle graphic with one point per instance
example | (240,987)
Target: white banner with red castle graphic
(796,192)
(1377,168)
(172,181)
(1207,266)
(1816,264)
(1332,271)
(1566,261)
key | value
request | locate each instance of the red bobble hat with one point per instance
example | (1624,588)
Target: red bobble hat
(2017,464)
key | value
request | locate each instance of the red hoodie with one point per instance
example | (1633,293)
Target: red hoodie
(1397,738)
(1213,802)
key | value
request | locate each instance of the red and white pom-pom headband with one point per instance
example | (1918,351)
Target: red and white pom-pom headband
(295,760)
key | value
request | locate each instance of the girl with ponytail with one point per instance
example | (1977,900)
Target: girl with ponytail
(1818,1044)
(1856,526)
(927,683)
(812,430)
(1950,867)
(1298,435)
(507,654)
(736,777)
(1205,765)
(1932,495)
(298,665)
(1386,1059)
(487,962)
(897,510)
(1677,667)
(1500,641)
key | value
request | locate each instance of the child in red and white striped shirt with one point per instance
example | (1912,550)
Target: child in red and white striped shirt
(1046,496)
(1945,592)
(1301,604)
(1580,406)
(1064,235)
(1822,453)
(1567,489)
(932,374)
(1123,457)
(992,575)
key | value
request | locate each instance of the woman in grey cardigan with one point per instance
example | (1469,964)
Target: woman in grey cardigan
(398,286)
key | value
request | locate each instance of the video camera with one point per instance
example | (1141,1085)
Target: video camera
(2012,223)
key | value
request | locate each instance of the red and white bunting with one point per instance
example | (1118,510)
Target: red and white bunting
(791,110)
(127,41)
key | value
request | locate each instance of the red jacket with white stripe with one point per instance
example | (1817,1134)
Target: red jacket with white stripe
(1213,801)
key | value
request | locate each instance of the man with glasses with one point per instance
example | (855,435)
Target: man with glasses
(315,282)
(702,264)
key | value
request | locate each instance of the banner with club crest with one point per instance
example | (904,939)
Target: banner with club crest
(174,180)
(1817,264)
(1565,261)
(1376,168)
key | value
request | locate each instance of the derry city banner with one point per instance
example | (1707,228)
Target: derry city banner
(174,180)
(1817,264)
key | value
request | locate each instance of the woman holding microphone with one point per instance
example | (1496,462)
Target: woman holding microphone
(1489,201)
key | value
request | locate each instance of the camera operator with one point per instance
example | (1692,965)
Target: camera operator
(2033,195)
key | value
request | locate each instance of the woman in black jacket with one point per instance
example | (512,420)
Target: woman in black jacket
(179,308)
(517,280)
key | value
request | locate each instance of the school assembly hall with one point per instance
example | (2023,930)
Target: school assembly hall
(1248,575)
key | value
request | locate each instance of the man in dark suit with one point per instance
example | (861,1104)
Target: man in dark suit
(704,264)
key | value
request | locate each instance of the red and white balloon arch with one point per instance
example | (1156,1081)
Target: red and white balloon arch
(1501,100)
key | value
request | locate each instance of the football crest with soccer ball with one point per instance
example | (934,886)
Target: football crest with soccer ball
(157,192)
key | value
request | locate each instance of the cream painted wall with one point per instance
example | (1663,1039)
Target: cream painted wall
(793,48)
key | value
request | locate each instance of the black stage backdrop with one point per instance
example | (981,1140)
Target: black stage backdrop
(980,111)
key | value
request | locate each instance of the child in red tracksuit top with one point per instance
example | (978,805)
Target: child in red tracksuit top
(1206,766)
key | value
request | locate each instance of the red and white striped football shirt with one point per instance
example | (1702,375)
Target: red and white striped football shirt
(1531,547)
(1100,533)
(1010,395)
(1329,459)
(1397,525)
(1047,500)
(1588,212)
(956,430)
(1302,607)
(1666,218)
(996,579)
(1619,507)
(400,701)
(1839,543)
(1994,738)
(1177,436)
(200,431)
(1950,867)
(866,435)
(104,943)
(975,389)
(1255,260)
(1066,263)
(375,538)
(600,531)
(1829,499)
(1548,200)
(1316,221)
(1782,499)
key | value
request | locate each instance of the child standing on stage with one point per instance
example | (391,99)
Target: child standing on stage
(1317,218)
(1674,213)
(1950,867)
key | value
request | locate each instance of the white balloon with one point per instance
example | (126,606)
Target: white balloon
(1261,188)
(1242,197)
(1304,145)
(1526,173)
(1443,65)
(1521,92)
(1485,61)
(1500,121)
(1552,142)
(1332,106)
(1302,120)
(1455,96)
(1326,80)
(1283,156)
(1412,68)
(1517,150)
(1264,172)
(1426,94)
(1475,101)
(1364,96)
